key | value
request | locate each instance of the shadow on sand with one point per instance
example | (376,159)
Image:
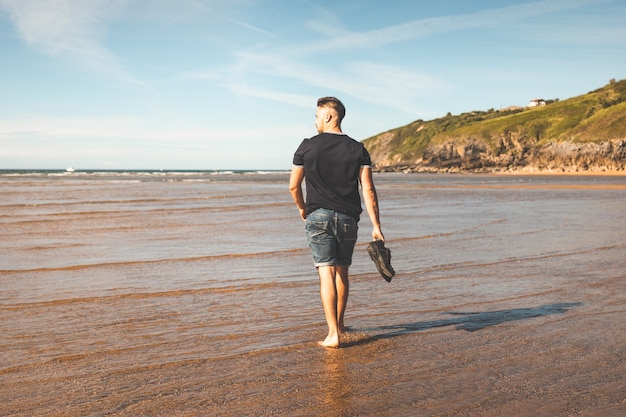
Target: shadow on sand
(468,321)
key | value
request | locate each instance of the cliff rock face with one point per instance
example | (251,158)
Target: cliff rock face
(583,133)
(512,153)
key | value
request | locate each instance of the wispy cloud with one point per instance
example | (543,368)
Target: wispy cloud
(388,85)
(299,100)
(49,128)
(393,86)
(62,26)
(72,29)
(252,28)
(590,31)
(425,27)
(77,29)
(88,142)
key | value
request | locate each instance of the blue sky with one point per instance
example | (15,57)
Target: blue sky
(204,84)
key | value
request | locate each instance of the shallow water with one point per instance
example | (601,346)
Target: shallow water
(195,294)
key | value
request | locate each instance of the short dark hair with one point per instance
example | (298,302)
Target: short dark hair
(334,103)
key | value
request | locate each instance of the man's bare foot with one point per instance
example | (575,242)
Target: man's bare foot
(330,342)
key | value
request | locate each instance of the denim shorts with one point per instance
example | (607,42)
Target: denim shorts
(332,237)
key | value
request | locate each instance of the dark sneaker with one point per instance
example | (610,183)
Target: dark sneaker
(382,259)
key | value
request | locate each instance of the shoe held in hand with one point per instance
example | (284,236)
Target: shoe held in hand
(382,259)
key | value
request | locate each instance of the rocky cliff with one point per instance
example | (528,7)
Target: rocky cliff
(585,133)
(515,154)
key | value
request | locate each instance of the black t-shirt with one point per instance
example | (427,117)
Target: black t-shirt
(332,163)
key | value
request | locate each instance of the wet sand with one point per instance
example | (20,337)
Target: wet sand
(510,300)
(550,360)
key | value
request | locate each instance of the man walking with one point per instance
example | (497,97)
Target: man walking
(333,164)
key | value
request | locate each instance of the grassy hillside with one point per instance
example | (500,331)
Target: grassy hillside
(597,116)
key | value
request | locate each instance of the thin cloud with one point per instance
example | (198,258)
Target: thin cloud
(134,129)
(252,28)
(61,26)
(72,29)
(371,81)
(590,32)
(388,85)
(299,100)
(92,142)
(425,27)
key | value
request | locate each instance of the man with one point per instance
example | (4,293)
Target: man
(333,164)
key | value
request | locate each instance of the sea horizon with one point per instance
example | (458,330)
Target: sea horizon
(71,170)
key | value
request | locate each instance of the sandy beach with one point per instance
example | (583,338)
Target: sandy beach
(137,296)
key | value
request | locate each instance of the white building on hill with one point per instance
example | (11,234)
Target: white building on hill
(537,102)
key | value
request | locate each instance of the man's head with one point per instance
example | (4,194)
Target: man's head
(330,113)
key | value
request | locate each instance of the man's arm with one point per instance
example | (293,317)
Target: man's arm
(371,201)
(295,187)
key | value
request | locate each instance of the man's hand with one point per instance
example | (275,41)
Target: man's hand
(371,201)
(377,234)
(295,187)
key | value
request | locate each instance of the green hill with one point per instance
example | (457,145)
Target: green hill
(587,132)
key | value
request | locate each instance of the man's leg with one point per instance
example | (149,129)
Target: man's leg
(342,284)
(328,293)
(334,291)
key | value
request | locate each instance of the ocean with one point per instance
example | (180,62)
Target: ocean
(184,293)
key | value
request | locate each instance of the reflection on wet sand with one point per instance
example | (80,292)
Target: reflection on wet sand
(336,385)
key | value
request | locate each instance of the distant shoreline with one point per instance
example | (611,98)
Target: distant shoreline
(565,173)
(79,171)
(518,172)
(396,170)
